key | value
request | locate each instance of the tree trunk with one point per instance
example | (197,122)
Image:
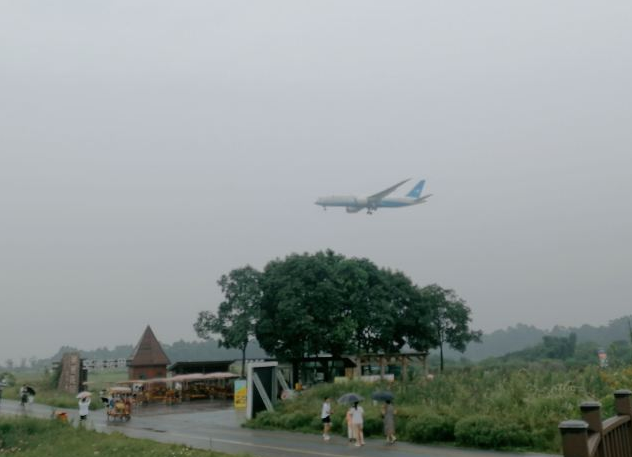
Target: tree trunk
(295,373)
(441,355)
(327,369)
(243,361)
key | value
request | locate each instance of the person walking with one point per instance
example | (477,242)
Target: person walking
(84,408)
(388,414)
(325,417)
(24,395)
(350,430)
(357,419)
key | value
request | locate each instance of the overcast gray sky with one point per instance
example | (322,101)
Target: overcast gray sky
(147,147)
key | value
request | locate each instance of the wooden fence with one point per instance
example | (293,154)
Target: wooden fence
(592,437)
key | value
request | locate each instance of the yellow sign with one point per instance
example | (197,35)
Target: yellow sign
(241,393)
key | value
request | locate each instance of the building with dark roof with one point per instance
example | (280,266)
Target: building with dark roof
(148,360)
(203,367)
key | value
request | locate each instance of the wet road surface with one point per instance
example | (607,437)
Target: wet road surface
(216,425)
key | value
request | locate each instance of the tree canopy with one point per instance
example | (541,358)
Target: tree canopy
(308,304)
(450,318)
(237,314)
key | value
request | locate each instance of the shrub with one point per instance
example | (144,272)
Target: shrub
(296,421)
(490,433)
(373,425)
(266,419)
(430,427)
(8,378)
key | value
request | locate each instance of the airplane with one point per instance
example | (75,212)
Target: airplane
(355,204)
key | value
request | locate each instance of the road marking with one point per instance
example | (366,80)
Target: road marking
(262,446)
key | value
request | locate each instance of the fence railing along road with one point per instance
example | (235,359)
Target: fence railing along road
(592,437)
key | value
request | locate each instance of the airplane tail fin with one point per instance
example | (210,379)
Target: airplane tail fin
(416,191)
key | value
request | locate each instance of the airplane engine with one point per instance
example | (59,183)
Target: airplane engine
(352,209)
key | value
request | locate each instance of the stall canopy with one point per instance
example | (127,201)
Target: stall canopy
(183,378)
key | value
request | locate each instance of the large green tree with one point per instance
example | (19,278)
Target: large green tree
(237,315)
(326,303)
(450,317)
(377,301)
(303,309)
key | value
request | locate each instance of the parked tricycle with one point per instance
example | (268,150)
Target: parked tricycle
(119,404)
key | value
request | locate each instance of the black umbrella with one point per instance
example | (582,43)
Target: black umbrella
(350,398)
(30,390)
(383,395)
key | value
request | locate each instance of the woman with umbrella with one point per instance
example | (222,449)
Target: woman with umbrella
(388,414)
(84,405)
(357,416)
(357,419)
(26,393)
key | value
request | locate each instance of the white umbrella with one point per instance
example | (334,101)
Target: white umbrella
(84,394)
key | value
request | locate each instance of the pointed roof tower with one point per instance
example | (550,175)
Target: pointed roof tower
(148,351)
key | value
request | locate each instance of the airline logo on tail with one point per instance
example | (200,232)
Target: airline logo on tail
(416,191)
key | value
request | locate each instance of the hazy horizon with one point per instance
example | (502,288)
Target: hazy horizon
(147,148)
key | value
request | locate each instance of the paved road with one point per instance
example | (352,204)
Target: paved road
(217,426)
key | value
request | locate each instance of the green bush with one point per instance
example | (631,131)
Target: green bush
(266,419)
(296,421)
(373,425)
(8,378)
(429,428)
(490,433)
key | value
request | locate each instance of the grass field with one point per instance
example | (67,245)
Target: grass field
(47,394)
(28,437)
(493,408)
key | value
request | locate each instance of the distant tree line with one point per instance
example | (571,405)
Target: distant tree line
(568,350)
(516,338)
(309,304)
(191,351)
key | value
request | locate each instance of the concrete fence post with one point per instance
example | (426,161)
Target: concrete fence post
(574,438)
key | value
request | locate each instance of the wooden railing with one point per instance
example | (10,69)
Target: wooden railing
(590,437)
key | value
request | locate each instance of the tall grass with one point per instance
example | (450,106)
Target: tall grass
(28,437)
(490,407)
(46,391)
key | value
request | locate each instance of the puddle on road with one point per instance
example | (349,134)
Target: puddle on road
(153,430)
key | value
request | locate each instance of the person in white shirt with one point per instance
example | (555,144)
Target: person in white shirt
(325,417)
(84,408)
(357,419)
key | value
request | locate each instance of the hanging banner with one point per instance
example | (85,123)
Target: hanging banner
(241,393)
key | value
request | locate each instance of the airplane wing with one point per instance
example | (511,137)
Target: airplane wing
(380,195)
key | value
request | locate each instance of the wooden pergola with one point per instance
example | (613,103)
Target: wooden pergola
(402,359)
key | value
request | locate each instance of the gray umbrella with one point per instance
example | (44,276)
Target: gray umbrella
(350,398)
(383,395)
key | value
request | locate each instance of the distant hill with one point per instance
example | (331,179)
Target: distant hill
(513,339)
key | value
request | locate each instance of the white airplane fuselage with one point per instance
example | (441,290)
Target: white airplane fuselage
(353,203)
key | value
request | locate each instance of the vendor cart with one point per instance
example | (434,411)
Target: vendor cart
(119,406)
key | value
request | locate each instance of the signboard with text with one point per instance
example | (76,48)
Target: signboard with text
(241,393)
